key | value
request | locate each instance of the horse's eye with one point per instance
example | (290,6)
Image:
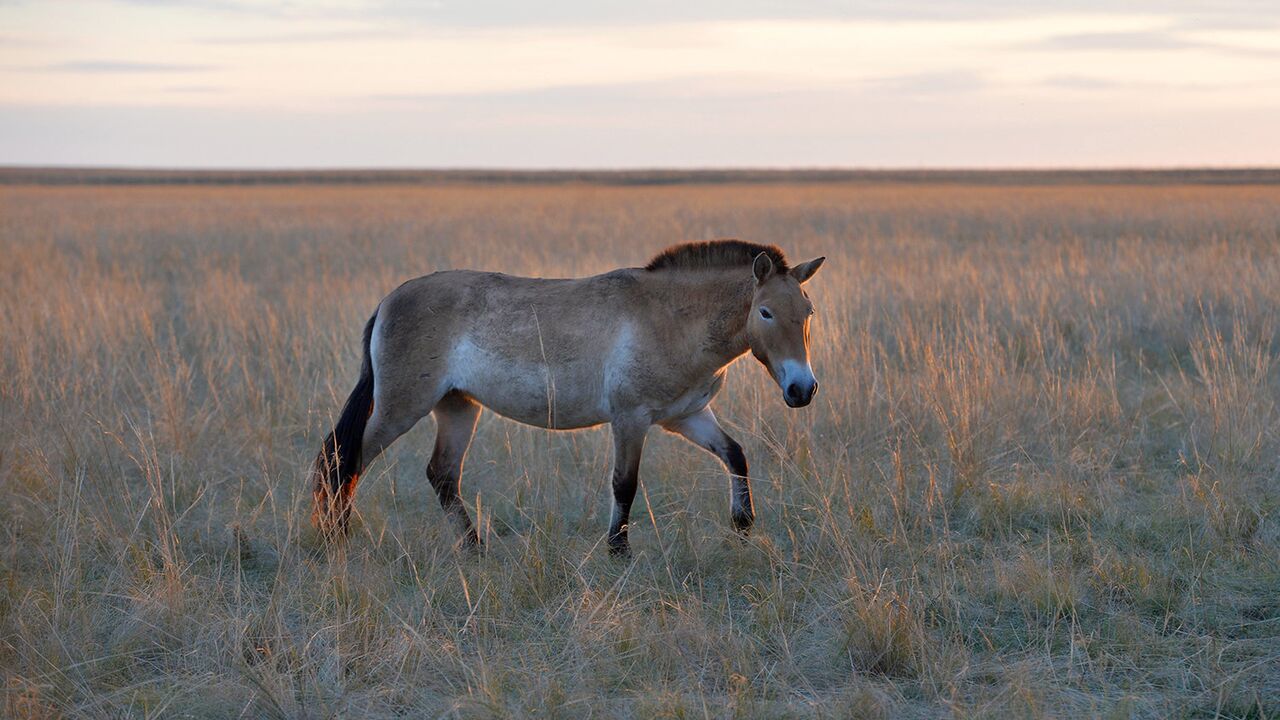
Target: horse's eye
(764,313)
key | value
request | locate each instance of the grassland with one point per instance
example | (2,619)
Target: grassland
(1040,480)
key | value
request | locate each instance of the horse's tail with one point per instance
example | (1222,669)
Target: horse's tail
(338,465)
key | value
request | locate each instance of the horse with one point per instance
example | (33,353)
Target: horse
(633,348)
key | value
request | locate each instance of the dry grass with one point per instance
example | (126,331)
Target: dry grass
(1040,478)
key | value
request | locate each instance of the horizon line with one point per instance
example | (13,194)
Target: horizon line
(101,176)
(546,169)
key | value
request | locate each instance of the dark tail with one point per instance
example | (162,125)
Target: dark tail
(338,465)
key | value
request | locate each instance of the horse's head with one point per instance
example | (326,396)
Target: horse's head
(778,327)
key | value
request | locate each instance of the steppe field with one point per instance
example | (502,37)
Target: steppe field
(1041,478)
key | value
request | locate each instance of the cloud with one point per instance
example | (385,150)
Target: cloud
(1201,21)
(319,36)
(121,66)
(9,39)
(1086,83)
(522,13)
(573,12)
(1149,40)
(271,8)
(700,87)
(1142,41)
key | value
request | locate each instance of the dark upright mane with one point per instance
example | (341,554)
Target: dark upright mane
(715,254)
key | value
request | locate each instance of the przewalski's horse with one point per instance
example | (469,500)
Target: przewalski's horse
(633,348)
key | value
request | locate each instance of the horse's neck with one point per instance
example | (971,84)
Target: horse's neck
(724,299)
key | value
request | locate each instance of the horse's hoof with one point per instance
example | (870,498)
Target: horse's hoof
(330,518)
(742,525)
(473,545)
(621,551)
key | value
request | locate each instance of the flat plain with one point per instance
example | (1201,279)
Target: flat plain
(1041,477)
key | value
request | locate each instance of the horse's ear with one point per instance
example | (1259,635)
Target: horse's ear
(762,267)
(804,271)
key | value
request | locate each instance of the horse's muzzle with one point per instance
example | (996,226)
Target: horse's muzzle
(798,394)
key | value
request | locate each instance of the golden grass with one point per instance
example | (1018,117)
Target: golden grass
(1040,478)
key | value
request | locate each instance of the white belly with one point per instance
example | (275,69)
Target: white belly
(529,392)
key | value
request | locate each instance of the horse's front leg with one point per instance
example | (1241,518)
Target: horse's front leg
(702,429)
(628,444)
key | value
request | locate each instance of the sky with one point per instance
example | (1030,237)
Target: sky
(604,84)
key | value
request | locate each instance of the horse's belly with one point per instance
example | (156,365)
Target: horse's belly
(531,393)
(551,412)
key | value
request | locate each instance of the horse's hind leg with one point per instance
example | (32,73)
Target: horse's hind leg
(386,424)
(702,429)
(378,410)
(456,415)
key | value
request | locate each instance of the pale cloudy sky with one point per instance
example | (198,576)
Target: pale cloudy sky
(601,84)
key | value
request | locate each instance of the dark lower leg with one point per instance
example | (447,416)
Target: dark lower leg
(703,430)
(456,416)
(624,493)
(445,480)
(628,444)
(741,508)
